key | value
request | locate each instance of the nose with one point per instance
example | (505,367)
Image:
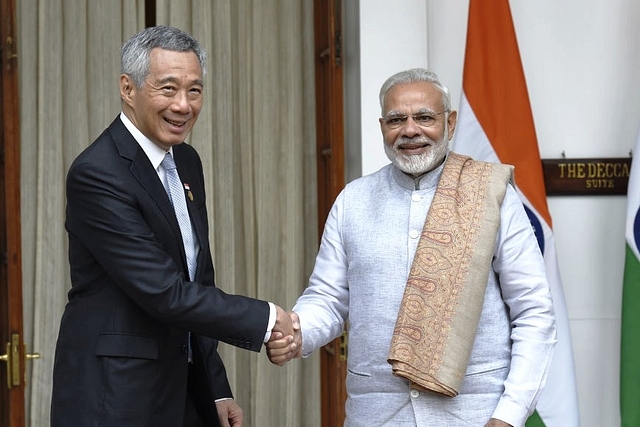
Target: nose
(410,128)
(181,102)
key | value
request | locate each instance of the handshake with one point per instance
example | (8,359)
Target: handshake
(285,342)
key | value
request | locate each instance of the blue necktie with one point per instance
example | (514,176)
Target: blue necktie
(175,189)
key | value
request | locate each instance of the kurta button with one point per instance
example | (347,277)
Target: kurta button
(414,234)
(416,197)
(415,394)
(184,349)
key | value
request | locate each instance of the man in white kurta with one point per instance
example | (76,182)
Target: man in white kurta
(361,270)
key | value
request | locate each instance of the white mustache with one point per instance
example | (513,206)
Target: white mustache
(418,139)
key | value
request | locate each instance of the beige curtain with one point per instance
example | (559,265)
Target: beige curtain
(256,136)
(68,62)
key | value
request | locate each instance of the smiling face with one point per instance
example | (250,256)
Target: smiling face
(167,106)
(413,148)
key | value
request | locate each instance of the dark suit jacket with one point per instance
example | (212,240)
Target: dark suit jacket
(121,356)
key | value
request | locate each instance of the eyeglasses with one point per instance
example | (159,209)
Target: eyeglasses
(424,119)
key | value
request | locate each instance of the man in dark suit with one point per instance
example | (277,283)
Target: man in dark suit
(138,339)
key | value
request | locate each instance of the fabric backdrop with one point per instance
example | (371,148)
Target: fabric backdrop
(256,137)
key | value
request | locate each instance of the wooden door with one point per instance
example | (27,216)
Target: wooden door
(12,349)
(330,163)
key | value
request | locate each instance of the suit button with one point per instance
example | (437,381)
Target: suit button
(415,393)
(184,349)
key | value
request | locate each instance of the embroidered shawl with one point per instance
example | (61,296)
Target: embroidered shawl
(444,295)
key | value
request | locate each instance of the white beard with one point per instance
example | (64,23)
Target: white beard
(417,164)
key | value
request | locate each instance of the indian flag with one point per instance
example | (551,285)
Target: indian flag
(630,349)
(495,124)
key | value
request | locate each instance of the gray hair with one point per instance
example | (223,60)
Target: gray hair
(415,75)
(134,57)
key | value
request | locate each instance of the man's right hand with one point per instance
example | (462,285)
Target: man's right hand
(284,323)
(281,347)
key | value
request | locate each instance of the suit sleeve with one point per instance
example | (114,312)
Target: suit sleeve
(120,235)
(216,372)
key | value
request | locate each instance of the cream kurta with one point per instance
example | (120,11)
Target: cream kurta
(366,252)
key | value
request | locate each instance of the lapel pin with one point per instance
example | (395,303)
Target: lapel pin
(189,193)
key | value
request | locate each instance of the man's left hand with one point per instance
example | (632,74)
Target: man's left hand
(229,413)
(496,423)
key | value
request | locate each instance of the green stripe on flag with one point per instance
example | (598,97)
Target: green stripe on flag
(534,420)
(630,343)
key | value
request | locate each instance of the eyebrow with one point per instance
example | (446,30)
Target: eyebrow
(171,79)
(424,110)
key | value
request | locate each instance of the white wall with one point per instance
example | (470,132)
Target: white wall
(581,66)
(393,37)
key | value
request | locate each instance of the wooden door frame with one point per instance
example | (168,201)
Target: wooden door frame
(331,177)
(12,413)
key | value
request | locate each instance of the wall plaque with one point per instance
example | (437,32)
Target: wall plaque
(607,176)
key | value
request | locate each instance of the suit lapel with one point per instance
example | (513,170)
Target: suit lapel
(143,171)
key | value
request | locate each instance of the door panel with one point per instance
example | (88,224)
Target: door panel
(12,350)
(330,166)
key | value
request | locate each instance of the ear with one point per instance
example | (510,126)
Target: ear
(127,89)
(452,120)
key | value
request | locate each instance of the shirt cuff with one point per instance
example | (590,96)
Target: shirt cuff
(510,412)
(272,321)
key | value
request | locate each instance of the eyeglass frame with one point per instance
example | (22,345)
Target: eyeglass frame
(404,117)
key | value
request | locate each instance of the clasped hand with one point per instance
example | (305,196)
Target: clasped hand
(286,338)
